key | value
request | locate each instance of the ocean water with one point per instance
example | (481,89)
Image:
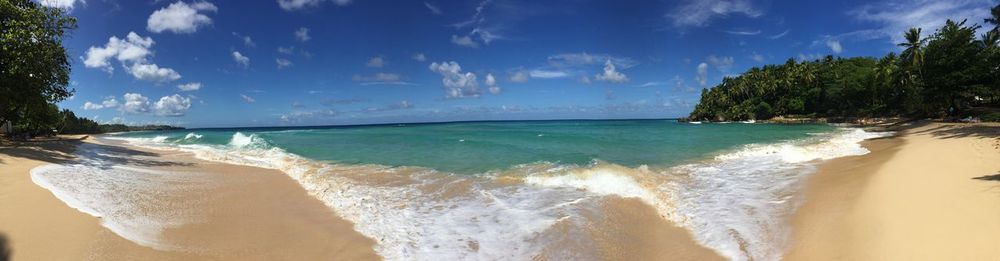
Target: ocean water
(528,190)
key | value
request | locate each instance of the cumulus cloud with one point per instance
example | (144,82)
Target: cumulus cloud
(611,74)
(420,57)
(132,49)
(491,84)
(302,34)
(723,64)
(241,59)
(109,102)
(757,57)
(181,17)
(282,62)
(153,73)
(247,99)
(172,106)
(292,5)
(834,46)
(699,13)
(134,104)
(63,4)
(702,76)
(433,8)
(376,62)
(308,116)
(191,86)
(286,50)
(465,41)
(133,53)
(247,41)
(456,83)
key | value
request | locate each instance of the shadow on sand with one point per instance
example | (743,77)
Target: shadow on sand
(69,152)
(994,177)
(960,130)
(4,248)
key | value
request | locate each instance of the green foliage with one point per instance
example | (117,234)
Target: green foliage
(34,67)
(992,117)
(946,73)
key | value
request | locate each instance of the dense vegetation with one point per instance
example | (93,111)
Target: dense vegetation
(951,73)
(34,72)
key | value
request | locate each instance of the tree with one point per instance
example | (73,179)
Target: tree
(913,54)
(34,67)
(951,69)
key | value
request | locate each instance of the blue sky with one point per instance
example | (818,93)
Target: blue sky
(332,62)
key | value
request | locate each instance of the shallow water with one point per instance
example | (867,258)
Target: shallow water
(524,190)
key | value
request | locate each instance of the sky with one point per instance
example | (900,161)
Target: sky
(339,62)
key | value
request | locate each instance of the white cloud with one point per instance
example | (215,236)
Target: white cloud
(153,73)
(834,46)
(584,79)
(247,41)
(191,86)
(699,13)
(133,52)
(737,32)
(292,5)
(491,84)
(456,83)
(247,99)
(109,102)
(702,76)
(779,36)
(135,103)
(302,34)
(240,59)
(62,4)
(586,59)
(180,17)
(376,62)
(518,76)
(757,57)
(464,41)
(611,74)
(434,9)
(723,64)
(420,57)
(896,16)
(546,74)
(381,79)
(92,106)
(172,106)
(282,63)
(132,49)
(286,50)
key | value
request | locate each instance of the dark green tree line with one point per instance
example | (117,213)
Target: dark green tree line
(945,74)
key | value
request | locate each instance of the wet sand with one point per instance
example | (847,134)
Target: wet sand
(931,193)
(248,214)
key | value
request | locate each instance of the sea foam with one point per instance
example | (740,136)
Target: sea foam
(735,203)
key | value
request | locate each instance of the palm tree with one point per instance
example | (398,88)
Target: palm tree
(914,45)
(990,39)
(994,18)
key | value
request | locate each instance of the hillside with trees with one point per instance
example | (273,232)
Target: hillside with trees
(950,73)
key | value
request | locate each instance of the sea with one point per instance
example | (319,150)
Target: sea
(523,190)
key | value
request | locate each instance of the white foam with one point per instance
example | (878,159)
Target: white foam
(192,136)
(129,201)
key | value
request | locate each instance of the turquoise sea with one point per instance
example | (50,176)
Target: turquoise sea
(521,190)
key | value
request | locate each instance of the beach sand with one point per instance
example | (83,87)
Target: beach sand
(930,193)
(249,214)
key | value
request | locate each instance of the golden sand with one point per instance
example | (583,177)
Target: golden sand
(255,214)
(932,193)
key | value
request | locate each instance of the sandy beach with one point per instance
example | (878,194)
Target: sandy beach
(930,193)
(245,214)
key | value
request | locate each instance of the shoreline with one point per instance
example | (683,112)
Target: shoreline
(919,195)
(242,212)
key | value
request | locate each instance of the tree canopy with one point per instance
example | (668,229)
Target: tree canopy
(945,74)
(34,67)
